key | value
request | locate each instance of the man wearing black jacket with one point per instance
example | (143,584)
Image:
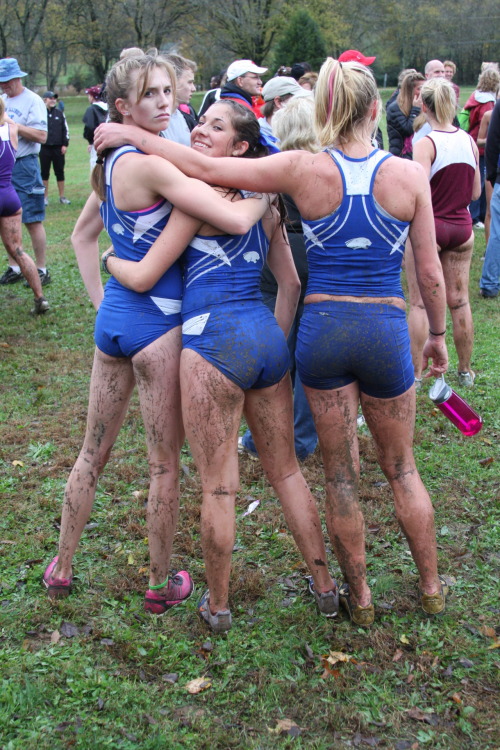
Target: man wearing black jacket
(490,278)
(243,85)
(54,149)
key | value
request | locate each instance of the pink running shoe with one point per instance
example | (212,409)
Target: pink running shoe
(178,590)
(58,588)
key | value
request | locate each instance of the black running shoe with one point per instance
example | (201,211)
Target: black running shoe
(10,276)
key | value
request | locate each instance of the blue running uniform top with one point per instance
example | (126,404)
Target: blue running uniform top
(132,234)
(358,249)
(224,268)
(129,321)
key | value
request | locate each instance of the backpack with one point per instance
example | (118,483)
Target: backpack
(463,118)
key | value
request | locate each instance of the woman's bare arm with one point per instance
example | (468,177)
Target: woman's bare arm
(142,275)
(280,261)
(273,174)
(429,274)
(85,241)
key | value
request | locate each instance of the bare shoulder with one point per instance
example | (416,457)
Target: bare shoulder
(407,173)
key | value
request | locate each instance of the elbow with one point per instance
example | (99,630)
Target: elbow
(296,288)
(141,286)
(242,225)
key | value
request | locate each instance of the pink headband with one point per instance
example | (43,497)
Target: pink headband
(331,83)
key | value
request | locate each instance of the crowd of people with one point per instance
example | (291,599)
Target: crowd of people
(271,292)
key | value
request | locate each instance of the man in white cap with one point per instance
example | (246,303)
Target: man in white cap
(244,84)
(27,109)
(276,93)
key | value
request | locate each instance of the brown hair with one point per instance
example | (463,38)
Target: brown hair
(489,80)
(405,96)
(119,86)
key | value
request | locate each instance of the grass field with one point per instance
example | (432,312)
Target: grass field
(94,671)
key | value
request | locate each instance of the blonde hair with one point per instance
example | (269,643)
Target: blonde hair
(489,80)
(293,125)
(119,85)
(440,99)
(450,64)
(311,78)
(2,111)
(345,92)
(405,96)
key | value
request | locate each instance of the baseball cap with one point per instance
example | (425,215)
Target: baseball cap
(281,86)
(50,95)
(240,67)
(9,69)
(354,55)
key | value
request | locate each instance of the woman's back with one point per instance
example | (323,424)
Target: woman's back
(224,268)
(357,249)
(452,174)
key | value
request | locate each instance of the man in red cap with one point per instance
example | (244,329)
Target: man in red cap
(354,55)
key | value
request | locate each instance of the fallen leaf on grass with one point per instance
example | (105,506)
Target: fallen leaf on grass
(286,726)
(171,677)
(494,645)
(488,632)
(55,636)
(198,685)
(456,698)
(130,560)
(486,461)
(17,463)
(418,715)
(7,541)
(336,656)
(68,630)
(360,740)
(404,639)
(397,656)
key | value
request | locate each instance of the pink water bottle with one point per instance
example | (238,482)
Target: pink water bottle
(455,408)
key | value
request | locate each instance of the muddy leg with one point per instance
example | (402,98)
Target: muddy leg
(156,370)
(335,416)
(269,413)
(111,385)
(391,422)
(212,406)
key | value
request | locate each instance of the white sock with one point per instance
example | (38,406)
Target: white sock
(16,269)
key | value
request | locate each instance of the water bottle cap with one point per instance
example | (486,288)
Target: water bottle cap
(440,391)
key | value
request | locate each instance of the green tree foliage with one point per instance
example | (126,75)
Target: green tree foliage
(302,40)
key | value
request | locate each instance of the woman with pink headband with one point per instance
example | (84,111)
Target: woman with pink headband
(358,205)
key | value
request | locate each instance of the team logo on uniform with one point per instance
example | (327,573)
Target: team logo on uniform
(251,257)
(359,243)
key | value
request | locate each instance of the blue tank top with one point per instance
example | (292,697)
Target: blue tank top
(132,234)
(7,157)
(358,249)
(224,268)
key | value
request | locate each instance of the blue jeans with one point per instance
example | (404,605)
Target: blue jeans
(477,208)
(305,435)
(490,278)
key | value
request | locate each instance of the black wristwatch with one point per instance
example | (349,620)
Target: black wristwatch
(105,261)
